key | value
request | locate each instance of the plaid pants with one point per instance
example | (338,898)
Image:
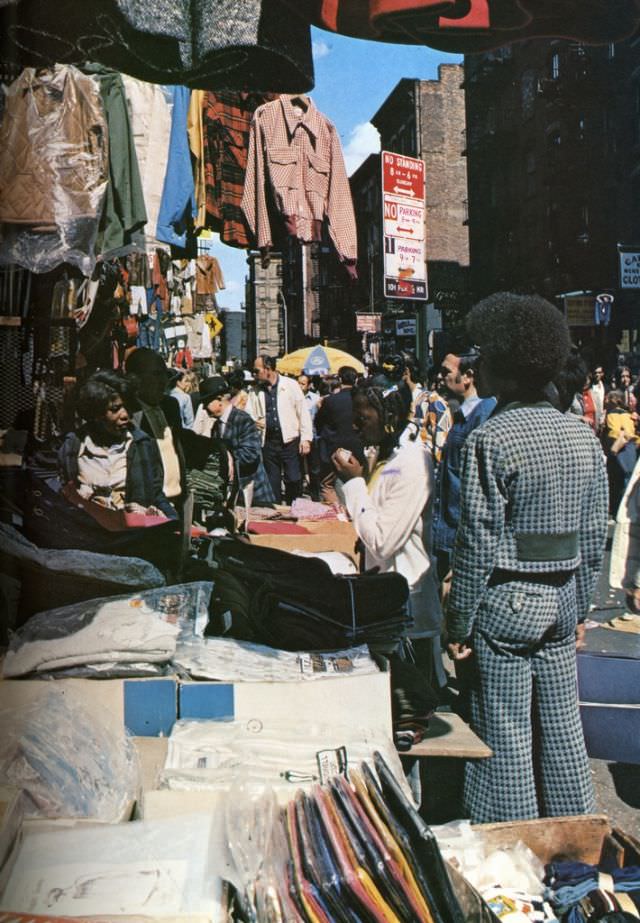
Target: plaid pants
(524,705)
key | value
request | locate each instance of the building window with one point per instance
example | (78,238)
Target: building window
(555,65)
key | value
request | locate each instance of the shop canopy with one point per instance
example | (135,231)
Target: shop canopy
(317,360)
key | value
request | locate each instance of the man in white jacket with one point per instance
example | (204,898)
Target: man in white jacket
(288,432)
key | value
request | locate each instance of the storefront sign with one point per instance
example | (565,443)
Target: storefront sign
(406,327)
(629,267)
(403,213)
(368,323)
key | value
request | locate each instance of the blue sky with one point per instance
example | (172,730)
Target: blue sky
(353,78)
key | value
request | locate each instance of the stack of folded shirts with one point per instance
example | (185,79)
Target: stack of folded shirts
(121,630)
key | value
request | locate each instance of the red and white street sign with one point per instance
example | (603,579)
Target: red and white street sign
(403,176)
(403,213)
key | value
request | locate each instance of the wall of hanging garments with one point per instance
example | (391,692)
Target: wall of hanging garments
(92,161)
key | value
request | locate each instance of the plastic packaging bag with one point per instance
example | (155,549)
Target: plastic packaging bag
(250,814)
(515,867)
(140,627)
(205,754)
(54,169)
(233,661)
(69,763)
(111,568)
(147,869)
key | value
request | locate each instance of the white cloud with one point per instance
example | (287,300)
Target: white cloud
(363,140)
(321,50)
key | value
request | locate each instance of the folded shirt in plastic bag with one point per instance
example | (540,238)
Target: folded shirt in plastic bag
(204,754)
(235,661)
(125,629)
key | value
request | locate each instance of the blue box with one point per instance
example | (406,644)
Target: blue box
(609,692)
(206,700)
(150,706)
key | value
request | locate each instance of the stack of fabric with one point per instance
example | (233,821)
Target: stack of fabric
(270,597)
(584,893)
(119,636)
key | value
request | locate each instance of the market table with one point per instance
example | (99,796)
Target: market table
(448,735)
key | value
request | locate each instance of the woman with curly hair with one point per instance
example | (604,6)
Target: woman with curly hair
(529,547)
(389,501)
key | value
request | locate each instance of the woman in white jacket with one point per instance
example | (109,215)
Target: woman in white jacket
(390,506)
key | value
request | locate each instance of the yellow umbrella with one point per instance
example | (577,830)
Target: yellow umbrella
(317,360)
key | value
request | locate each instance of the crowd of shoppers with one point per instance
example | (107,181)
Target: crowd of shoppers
(486,487)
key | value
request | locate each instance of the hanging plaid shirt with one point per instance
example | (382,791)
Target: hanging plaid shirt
(226,117)
(296,157)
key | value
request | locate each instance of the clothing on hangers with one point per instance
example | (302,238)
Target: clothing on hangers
(295,157)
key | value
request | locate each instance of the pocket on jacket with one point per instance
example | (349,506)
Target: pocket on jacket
(318,175)
(283,168)
(517,613)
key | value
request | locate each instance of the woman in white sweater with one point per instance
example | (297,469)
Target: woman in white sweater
(390,506)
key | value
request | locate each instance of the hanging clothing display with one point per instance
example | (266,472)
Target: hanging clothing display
(195,132)
(296,157)
(227,117)
(468,26)
(255,44)
(178,209)
(53,169)
(209,278)
(150,117)
(124,211)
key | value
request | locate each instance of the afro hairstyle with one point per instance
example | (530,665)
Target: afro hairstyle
(522,337)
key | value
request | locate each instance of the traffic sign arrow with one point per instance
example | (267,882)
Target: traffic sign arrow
(401,191)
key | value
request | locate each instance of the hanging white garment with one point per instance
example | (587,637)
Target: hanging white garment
(150,115)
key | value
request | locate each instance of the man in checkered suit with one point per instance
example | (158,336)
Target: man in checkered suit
(528,551)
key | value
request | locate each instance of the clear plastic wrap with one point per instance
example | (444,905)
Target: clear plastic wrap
(125,571)
(53,169)
(68,762)
(514,867)
(232,661)
(205,754)
(139,627)
(147,869)
(250,815)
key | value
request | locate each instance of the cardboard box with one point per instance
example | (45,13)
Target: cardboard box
(585,839)
(322,541)
(146,707)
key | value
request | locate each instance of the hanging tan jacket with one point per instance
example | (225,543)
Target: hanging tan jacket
(53,149)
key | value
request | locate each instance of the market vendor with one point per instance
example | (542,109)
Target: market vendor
(389,502)
(110,460)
